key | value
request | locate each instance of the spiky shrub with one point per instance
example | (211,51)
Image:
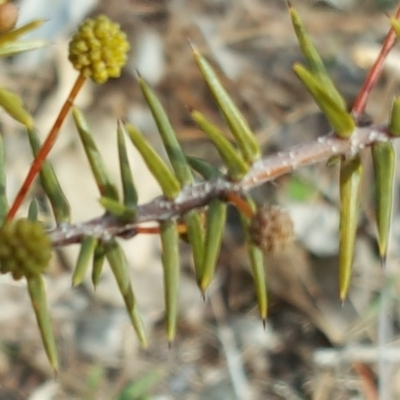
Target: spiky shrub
(194,211)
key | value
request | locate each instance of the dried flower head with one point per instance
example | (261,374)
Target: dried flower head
(8,16)
(25,248)
(271,228)
(99,49)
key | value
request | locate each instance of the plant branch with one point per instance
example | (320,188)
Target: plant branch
(200,194)
(46,147)
(375,72)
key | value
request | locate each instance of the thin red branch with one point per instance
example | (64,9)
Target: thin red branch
(375,72)
(46,147)
(240,203)
(200,194)
(367,381)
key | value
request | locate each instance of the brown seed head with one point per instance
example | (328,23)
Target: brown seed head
(271,228)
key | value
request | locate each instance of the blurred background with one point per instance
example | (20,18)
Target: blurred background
(312,347)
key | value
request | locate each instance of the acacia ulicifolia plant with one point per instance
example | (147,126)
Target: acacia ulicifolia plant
(187,210)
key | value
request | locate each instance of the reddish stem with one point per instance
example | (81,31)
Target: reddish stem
(367,380)
(155,230)
(240,203)
(375,72)
(46,147)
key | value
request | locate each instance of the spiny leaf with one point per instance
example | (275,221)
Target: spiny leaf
(205,169)
(314,60)
(394,123)
(350,182)
(246,140)
(257,264)
(170,260)
(33,210)
(87,249)
(195,235)
(98,262)
(168,136)
(37,293)
(3,194)
(119,267)
(384,159)
(50,183)
(128,186)
(168,182)
(103,181)
(342,122)
(13,35)
(118,209)
(13,105)
(233,161)
(180,166)
(215,224)
(13,48)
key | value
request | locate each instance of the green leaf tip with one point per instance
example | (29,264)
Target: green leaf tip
(99,255)
(384,160)
(161,172)
(128,186)
(14,106)
(33,211)
(104,183)
(118,209)
(37,294)
(257,264)
(51,185)
(350,183)
(170,260)
(202,167)
(168,135)
(234,162)
(13,35)
(215,224)
(87,249)
(314,60)
(394,123)
(195,235)
(245,138)
(14,48)
(119,267)
(341,121)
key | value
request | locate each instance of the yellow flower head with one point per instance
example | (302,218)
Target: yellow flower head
(99,49)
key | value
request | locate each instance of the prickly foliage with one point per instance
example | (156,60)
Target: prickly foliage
(195,212)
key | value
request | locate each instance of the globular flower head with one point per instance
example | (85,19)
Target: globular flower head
(25,248)
(271,228)
(99,49)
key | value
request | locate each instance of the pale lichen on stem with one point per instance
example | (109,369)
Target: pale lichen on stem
(200,194)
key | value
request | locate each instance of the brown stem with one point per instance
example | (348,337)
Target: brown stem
(46,147)
(240,203)
(200,194)
(375,72)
